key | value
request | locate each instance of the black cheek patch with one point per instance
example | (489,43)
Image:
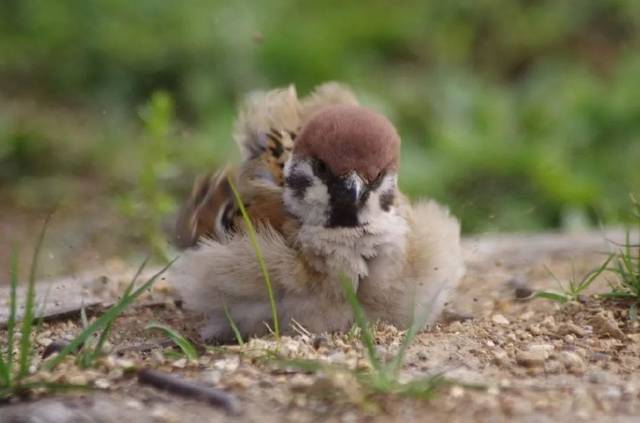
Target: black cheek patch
(386,200)
(298,184)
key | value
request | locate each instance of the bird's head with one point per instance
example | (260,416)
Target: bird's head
(342,172)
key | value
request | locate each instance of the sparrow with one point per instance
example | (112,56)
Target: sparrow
(319,180)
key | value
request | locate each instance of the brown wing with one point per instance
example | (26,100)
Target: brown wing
(211,210)
(208,212)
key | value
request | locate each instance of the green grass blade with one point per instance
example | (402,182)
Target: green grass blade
(5,373)
(593,274)
(361,320)
(234,328)
(135,277)
(423,388)
(263,267)
(556,279)
(553,296)
(104,320)
(13,304)
(183,343)
(617,294)
(107,330)
(29,308)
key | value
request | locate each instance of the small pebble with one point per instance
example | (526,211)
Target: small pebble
(180,363)
(523,293)
(531,358)
(102,383)
(572,328)
(543,349)
(527,315)
(573,362)
(606,326)
(500,357)
(456,392)
(499,319)
(597,377)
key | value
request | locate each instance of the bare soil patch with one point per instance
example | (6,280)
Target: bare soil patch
(506,357)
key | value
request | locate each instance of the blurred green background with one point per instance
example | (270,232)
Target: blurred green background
(521,115)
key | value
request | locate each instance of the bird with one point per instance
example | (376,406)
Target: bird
(319,182)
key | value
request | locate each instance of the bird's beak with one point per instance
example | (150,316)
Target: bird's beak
(352,187)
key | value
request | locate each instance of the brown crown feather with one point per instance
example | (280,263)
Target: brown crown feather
(348,138)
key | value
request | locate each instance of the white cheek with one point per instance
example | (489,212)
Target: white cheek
(312,209)
(316,200)
(371,211)
(388,183)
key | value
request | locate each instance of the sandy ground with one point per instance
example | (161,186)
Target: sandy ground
(504,358)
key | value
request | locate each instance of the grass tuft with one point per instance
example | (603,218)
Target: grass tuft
(626,267)
(182,342)
(574,288)
(104,321)
(29,308)
(384,378)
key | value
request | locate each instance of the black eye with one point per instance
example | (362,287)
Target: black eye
(373,185)
(319,167)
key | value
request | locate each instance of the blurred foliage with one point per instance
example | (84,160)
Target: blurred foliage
(519,114)
(149,202)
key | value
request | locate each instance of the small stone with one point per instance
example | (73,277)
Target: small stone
(455,327)
(553,367)
(573,362)
(531,358)
(635,337)
(229,364)
(124,363)
(180,363)
(499,319)
(612,393)
(77,379)
(543,349)
(527,315)
(44,341)
(135,404)
(569,339)
(606,326)
(597,377)
(572,328)
(549,322)
(241,381)
(500,357)
(449,316)
(523,293)
(102,383)
(301,381)
(456,392)
(535,330)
